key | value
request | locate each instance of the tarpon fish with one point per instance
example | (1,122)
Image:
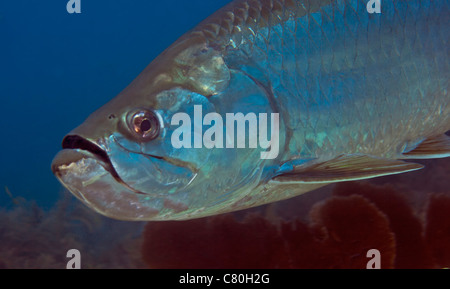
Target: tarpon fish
(358,94)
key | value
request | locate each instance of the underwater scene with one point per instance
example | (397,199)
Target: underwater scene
(275,134)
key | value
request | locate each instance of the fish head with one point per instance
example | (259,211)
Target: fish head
(122,162)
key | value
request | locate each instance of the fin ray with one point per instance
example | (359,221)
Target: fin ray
(431,148)
(347,168)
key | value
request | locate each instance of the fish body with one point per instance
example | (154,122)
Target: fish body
(355,93)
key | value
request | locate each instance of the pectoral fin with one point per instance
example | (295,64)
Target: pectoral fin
(346,168)
(431,148)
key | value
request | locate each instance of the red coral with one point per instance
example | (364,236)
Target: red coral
(411,249)
(215,242)
(353,226)
(438,229)
(344,229)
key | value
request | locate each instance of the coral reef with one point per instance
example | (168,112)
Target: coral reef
(437,234)
(215,242)
(410,250)
(341,231)
(33,238)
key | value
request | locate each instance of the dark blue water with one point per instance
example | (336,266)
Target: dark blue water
(56,68)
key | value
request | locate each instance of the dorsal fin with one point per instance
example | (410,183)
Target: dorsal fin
(347,168)
(431,148)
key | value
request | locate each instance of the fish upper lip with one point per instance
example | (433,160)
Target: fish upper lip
(78,142)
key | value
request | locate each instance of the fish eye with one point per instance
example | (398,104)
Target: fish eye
(144,124)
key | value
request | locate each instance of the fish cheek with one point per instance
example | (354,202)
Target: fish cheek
(146,173)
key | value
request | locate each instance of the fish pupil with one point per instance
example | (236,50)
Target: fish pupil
(146,125)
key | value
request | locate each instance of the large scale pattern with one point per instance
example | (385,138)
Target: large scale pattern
(344,80)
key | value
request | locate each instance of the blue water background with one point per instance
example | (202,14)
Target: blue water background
(56,68)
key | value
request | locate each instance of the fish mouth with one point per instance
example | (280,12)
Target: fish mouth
(85,169)
(88,148)
(72,144)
